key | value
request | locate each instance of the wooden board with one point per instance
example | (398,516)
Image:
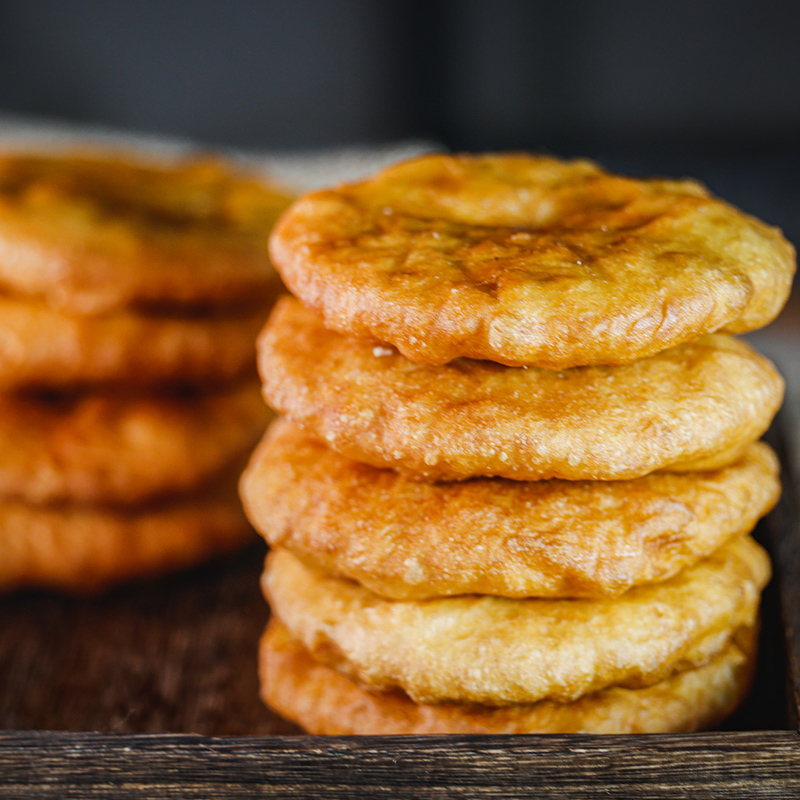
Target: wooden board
(733,765)
(177,656)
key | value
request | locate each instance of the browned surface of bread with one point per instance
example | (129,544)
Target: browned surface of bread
(696,406)
(84,549)
(500,651)
(122,449)
(96,231)
(529,260)
(46,347)
(405,539)
(325,702)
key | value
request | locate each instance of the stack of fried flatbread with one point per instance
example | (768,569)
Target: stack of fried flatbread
(130,298)
(518,468)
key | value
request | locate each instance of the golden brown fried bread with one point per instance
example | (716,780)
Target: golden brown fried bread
(97,231)
(500,651)
(120,449)
(404,539)
(42,346)
(529,260)
(696,406)
(325,702)
(86,549)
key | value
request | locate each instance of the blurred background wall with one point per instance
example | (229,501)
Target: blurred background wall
(703,87)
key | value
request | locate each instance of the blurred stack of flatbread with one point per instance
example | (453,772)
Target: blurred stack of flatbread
(130,296)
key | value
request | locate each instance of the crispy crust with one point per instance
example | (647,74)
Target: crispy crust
(324,702)
(99,231)
(42,346)
(81,549)
(499,651)
(118,449)
(529,260)
(404,539)
(696,406)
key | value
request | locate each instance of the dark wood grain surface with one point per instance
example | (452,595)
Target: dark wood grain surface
(733,765)
(176,655)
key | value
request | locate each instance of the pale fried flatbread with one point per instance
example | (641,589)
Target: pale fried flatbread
(84,549)
(42,346)
(409,540)
(96,231)
(529,260)
(120,449)
(696,406)
(499,651)
(325,702)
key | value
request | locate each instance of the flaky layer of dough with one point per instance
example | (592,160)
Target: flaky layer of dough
(499,651)
(405,539)
(96,231)
(42,346)
(696,406)
(122,449)
(325,702)
(529,260)
(83,549)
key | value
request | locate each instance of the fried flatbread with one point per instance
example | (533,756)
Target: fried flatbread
(84,549)
(95,231)
(325,702)
(528,260)
(405,539)
(696,406)
(122,449)
(500,651)
(42,346)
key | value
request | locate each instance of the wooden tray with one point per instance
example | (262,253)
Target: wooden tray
(151,692)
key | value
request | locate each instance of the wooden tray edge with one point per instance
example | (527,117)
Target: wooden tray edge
(745,764)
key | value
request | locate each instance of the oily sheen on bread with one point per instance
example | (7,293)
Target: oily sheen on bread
(501,651)
(405,539)
(325,702)
(528,260)
(694,407)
